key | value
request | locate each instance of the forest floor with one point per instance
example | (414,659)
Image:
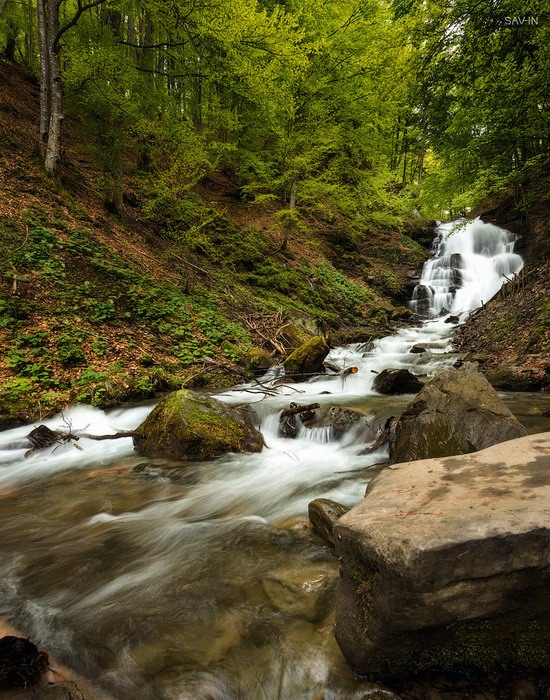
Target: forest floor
(102,308)
(510,337)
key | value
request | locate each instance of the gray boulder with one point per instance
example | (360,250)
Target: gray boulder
(323,514)
(339,419)
(455,413)
(187,425)
(446,564)
(396,381)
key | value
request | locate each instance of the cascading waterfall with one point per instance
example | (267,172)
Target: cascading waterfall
(139,578)
(471,262)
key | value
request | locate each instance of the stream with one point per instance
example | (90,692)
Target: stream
(147,576)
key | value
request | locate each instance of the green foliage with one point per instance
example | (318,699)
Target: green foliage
(100,310)
(69,348)
(481,81)
(40,254)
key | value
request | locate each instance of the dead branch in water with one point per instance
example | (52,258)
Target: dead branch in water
(294,409)
(42,437)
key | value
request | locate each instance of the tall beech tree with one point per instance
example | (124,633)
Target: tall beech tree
(50,34)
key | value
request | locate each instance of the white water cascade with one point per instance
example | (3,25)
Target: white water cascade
(471,262)
(146,575)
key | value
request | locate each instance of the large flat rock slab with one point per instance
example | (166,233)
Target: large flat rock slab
(446,550)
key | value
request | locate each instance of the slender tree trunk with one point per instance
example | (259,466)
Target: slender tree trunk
(51,97)
(420,171)
(292,198)
(29,43)
(44,77)
(3,4)
(53,147)
(405,153)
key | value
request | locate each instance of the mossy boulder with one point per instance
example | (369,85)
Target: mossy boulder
(188,425)
(457,412)
(258,359)
(307,359)
(400,313)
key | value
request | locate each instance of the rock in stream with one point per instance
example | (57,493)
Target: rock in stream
(446,564)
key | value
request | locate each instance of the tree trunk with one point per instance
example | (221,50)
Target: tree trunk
(11,44)
(292,198)
(3,4)
(114,195)
(44,76)
(53,145)
(51,115)
(29,38)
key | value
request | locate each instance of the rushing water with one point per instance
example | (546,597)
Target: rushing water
(471,261)
(147,575)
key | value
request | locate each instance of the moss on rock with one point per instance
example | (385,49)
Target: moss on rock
(308,358)
(258,359)
(187,425)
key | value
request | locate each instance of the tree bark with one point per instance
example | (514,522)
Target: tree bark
(53,147)
(51,114)
(292,198)
(44,76)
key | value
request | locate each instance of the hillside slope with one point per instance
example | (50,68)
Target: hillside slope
(101,309)
(512,331)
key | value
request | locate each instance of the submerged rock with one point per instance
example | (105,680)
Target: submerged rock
(455,413)
(187,425)
(307,592)
(446,564)
(396,381)
(21,663)
(339,419)
(307,359)
(323,514)
(60,691)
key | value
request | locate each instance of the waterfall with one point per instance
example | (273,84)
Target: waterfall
(471,262)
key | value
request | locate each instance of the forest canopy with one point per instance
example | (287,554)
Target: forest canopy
(374,107)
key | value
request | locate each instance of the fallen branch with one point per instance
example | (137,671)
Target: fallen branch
(384,438)
(42,437)
(295,409)
(114,436)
